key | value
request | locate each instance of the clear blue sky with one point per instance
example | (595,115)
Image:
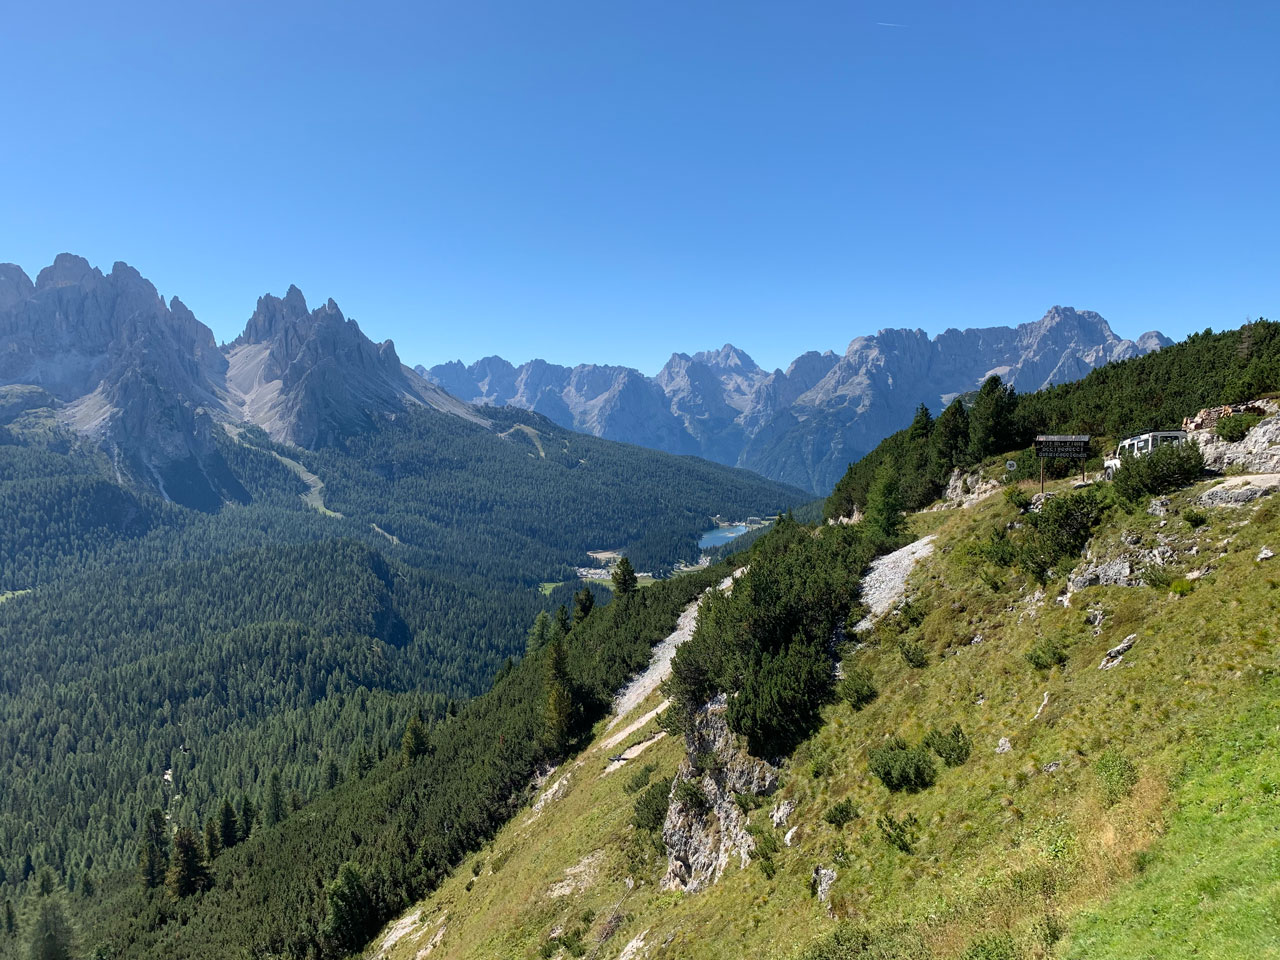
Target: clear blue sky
(610,181)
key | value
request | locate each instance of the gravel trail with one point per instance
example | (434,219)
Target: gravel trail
(886,579)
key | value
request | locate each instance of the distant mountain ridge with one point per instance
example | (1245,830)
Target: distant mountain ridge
(147,381)
(803,425)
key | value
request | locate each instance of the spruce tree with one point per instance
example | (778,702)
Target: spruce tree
(624,578)
(50,932)
(884,507)
(332,776)
(558,709)
(188,873)
(273,813)
(349,913)
(583,601)
(414,742)
(991,419)
(539,633)
(10,922)
(153,857)
(563,623)
(212,838)
(248,817)
(228,825)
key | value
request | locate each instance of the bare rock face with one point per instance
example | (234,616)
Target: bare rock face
(702,839)
(806,424)
(1258,452)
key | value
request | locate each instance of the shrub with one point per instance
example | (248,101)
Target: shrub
(1117,774)
(640,779)
(651,807)
(900,767)
(1233,428)
(1155,575)
(841,814)
(901,834)
(690,795)
(913,653)
(1195,518)
(999,549)
(993,946)
(1182,586)
(1059,530)
(1017,497)
(1162,470)
(1046,653)
(953,747)
(857,688)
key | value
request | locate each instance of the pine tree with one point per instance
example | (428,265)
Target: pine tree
(45,882)
(563,623)
(539,633)
(153,857)
(884,507)
(50,933)
(349,914)
(188,873)
(212,838)
(361,763)
(295,801)
(951,439)
(248,817)
(624,578)
(273,813)
(583,601)
(414,742)
(10,922)
(558,713)
(991,419)
(332,776)
(228,825)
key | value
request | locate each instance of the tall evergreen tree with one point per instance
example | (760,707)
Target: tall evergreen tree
(188,873)
(332,775)
(884,506)
(153,857)
(563,623)
(274,811)
(228,825)
(414,742)
(212,838)
(539,633)
(51,936)
(624,578)
(9,923)
(583,601)
(349,913)
(951,438)
(248,817)
(991,419)
(558,711)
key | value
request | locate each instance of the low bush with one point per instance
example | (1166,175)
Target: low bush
(1233,428)
(1195,518)
(901,834)
(1059,531)
(1162,470)
(640,779)
(901,767)
(857,688)
(953,746)
(651,807)
(1046,653)
(690,795)
(913,653)
(841,814)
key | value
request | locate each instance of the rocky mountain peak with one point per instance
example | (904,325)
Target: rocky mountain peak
(67,270)
(727,359)
(15,285)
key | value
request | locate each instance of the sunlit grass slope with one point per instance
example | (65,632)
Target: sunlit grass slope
(1135,812)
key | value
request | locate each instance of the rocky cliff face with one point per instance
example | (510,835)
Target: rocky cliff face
(805,424)
(146,380)
(702,838)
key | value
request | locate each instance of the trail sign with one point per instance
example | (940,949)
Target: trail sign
(1011,465)
(1073,447)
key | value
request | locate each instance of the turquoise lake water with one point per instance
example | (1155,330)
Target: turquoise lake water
(721,535)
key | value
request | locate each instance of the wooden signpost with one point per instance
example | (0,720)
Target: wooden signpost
(1068,446)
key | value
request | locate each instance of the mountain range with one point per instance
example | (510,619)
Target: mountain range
(804,425)
(146,380)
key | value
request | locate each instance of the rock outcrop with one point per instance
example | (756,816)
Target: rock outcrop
(702,837)
(803,425)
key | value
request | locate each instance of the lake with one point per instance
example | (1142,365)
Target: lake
(721,535)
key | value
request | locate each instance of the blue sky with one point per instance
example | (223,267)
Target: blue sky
(611,181)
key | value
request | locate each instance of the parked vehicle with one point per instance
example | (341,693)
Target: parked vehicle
(1140,446)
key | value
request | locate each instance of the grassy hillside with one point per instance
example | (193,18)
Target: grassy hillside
(1134,812)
